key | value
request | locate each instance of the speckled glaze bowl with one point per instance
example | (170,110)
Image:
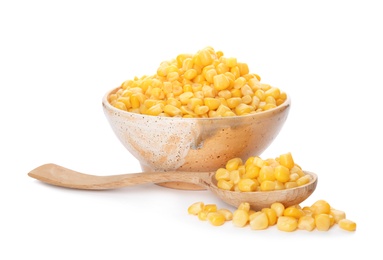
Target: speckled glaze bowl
(193,144)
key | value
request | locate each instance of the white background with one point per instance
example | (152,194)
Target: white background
(57,60)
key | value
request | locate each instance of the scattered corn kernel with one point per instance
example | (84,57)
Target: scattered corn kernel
(286,219)
(287,224)
(216,218)
(347,224)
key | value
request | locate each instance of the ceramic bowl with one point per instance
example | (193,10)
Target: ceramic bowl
(193,144)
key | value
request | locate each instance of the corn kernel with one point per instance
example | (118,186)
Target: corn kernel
(347,224)
(306,223)
(337,214)
(259,221)
(287,224)
(226,213)
(247,185)
(322,222)
(221,82)
(233,164)
(282,173)
(216,218)
(225,184)
(303,180)
(240,217)
(320,207)
(278,207)
(287,160)
(293,212)
(195,208)
(271,216)
(210,208)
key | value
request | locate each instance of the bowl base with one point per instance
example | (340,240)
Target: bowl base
(181,186)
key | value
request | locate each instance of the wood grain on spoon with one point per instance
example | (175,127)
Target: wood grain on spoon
(64,177)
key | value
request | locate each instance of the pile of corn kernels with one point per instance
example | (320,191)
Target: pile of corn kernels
(204,84)
(320,216)
(257,174)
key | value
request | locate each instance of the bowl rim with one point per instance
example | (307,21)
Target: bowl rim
(105,102)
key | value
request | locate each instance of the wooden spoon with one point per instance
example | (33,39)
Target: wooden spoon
(59,176)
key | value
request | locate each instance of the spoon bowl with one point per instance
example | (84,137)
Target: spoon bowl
(60,176)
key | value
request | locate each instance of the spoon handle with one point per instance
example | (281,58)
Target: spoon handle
(60,176)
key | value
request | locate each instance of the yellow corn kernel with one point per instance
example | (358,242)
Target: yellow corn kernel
(247,185)
(155,110)
(135,100)
(243,109)
(322,222)
(239,82)
(240,217)
(347,224)
(291,184)
(247,99)
(185,97)
(273,92)
(294,177)
(337,214)
(270,100)
(195,208)
(268,106)
(320,207)
(225,184)
(188,64)
(282,173)
(271,216)
(259,162)
(216,218)
(233,164)
(190,74)
(231,62)
(244,205)
(222,174)
(259,221)
(278,207)
(126,101)
(286,160)
(210,207)
(266,173)
(120,105)
(236,93)
(267,185)
(211,103)
(235,176)
(294,212)
(221,82)
(287,224)
(306,223)
(205,57)
(226,213)
(222,68)
(279,185)
(243,68)
(303,180)
(226,94)
(201,110)
(202,215)
(233,102)
(296,169)
(251,171)
(172,110)
(210,74)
